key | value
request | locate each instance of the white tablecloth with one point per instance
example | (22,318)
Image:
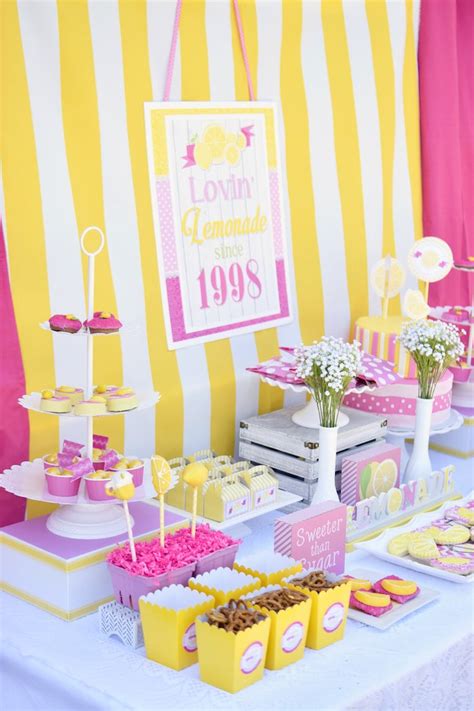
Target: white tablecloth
(423,662)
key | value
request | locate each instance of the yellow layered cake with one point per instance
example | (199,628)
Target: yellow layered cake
(378,336)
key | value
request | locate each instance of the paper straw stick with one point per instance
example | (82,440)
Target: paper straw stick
(129,529)
(195,505)
(388,263)
(162,520)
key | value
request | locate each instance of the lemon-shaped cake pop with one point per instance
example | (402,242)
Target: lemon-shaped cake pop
(162,475)
(195,474)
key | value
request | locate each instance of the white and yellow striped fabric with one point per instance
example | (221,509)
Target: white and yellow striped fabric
(344,75)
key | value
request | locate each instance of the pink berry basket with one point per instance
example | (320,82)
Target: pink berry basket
(129,588)
(223,558)
(62,485)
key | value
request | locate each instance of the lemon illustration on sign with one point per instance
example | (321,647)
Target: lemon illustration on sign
(414,305)
(202,155)
(215,138)
(232,154)
(377,478)
(241,141)
(387,282)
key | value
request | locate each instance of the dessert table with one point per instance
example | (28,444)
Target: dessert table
(424,661)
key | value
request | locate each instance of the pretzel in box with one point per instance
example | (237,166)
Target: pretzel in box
(232,643)
(263,485)
(289,612)
(329,605)
(226,498)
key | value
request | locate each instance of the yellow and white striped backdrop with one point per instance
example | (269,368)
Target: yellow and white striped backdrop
(344,75)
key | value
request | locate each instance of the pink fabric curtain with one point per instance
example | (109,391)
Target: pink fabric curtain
(446,66)
(14,427)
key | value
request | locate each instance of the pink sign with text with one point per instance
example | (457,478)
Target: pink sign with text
(316,536)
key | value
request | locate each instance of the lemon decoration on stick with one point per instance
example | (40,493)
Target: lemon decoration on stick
(195,474)
(164,479)
(414,305)
(387,278)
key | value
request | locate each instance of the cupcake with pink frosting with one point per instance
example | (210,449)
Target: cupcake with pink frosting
(103,322)
(67,323)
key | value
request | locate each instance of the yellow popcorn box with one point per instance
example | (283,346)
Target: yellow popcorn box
(288,629)
(232,661)
(168,619)
(224,584)
(225,498)
(327,622)
(175,497)
(272,569)
(263,485)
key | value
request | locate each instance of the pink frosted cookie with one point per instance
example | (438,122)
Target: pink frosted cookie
(453,564)
(103,322)
(65,322)
(460,514)
(400,590)
(372,603)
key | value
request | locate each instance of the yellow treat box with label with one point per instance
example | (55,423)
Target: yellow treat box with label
(327,622)
(201,492)
(225,498)
(232,661)
(271,569)
(168,619)
(263,485)
(224,584)
(288,629)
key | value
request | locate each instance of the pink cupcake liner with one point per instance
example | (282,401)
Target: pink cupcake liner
(62,485)
(377,587)
(95,489)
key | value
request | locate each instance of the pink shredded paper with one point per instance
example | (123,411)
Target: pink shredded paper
(180,549)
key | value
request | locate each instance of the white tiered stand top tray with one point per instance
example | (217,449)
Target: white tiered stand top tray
(145,400)
(127,328)
(378,546)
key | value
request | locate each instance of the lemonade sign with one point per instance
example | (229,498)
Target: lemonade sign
(217,204)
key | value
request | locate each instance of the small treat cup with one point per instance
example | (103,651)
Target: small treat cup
(223,558)
(224,584)
(168,619)
(327,622)
(50,465)
(272,569)
(137,470)
(288,629)
(60,485)
(232,660)
(95,488)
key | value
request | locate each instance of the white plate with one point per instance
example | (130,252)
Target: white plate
(145,400)
(378,546)
(398,612)
(128,328)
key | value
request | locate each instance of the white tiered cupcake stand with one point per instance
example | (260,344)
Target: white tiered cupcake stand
(78,517)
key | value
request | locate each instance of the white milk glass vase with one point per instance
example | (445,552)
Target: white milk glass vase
(326,488)
(419,464)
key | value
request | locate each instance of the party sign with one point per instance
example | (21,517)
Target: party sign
(216,193)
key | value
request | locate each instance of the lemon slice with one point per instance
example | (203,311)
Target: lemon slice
(423,547)
(161,474)
(203,155)
(430,259)
(241,141)
(232,154)
(214,137)
(454,534)
(399,587)
(359,584)
(387,281)
(372,599)
(399,544)
(468,514)
(384,477)
(414,305)
(394,501)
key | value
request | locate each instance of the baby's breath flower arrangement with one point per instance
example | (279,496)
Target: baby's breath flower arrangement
(327,367)
(434,346)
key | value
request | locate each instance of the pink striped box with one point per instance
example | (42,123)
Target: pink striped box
(369,473)
(316,536)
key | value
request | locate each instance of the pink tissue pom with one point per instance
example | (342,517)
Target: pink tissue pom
(179,550)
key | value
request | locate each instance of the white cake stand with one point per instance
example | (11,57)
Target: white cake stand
(78,517)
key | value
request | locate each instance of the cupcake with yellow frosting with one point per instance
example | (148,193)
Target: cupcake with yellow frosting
(59,404)
(95,405)
(122,400)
